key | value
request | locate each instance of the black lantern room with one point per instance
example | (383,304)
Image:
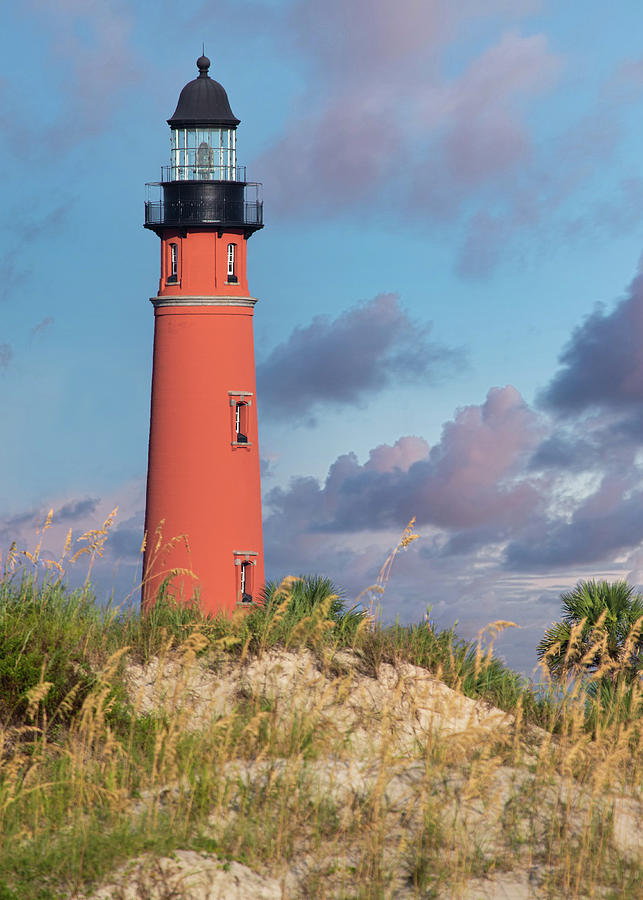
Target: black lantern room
(203,185)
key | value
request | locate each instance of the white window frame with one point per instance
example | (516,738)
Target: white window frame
(173,273)
(240,405)
(232,259)
(245,560)
(187,143)
(237,399)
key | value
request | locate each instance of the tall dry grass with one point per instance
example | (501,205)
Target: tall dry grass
(300,775)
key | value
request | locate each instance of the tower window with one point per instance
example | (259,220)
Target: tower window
(240,402)
(245,561)
(204,154)
(173,264)
(246,596)
(240,423)
(232,262)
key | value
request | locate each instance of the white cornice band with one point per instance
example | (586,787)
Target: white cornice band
(202,301)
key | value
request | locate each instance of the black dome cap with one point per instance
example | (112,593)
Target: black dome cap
(203,102)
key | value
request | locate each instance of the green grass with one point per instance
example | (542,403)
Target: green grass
(86,782)
(51,634)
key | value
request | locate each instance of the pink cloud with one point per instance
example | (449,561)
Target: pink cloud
(476,475)
(395,117)
(477,471)
(365,35)
(404,452)
(382,122)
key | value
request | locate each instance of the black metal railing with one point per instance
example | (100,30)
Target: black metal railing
(184,203)
(203,213)
(203,173)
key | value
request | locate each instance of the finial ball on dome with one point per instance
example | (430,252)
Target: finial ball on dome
(203,64)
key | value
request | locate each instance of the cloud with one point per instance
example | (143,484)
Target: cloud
(476,475)
(509,515)
(460,132)
(14,276)
(566,451)
(344,361)
(126,539)
(76,509)
(483,131)
(430,113)
(485,237)
(6,355)
(358,39)
(605,524)
(614,215)
(92,60)
(114,575)
(82,513)
(602,365)
(267,466)
(42,326)
(506,489)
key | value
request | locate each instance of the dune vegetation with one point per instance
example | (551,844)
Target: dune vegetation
(305,750)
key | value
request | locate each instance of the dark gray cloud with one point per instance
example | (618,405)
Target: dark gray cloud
(76,509)
(562,450)
(608,522)
(23,526)
(602,365)
(344,361)
(11,526)
(600,443)
(126,539)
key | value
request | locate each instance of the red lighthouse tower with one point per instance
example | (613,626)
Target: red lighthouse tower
(203,511)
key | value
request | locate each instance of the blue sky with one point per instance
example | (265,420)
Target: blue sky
(448,284)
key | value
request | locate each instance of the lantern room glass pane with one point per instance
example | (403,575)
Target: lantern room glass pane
(203,154)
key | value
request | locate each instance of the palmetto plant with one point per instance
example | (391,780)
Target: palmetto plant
(600,632)
(307,597)
(305,593)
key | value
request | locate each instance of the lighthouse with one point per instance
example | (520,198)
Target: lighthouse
(203,506)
